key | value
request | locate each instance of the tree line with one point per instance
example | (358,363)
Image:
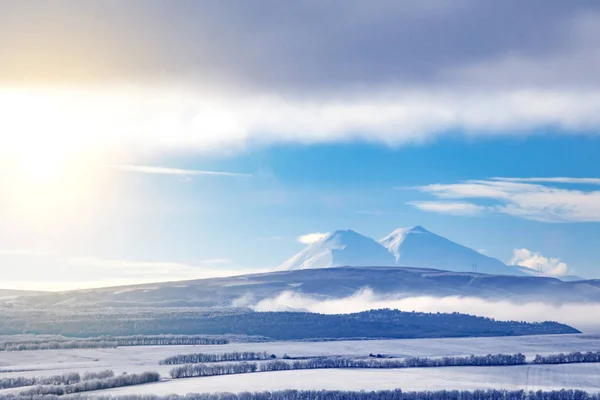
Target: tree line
(63,379)
(196,370)
(195,366)
(574,357)
(111,342)
(98,375)
(397,394)
(169,340)
(20,381)
(58,344)
(93,384)
(215,357)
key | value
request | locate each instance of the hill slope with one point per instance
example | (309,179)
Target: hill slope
(404,247)
(337,249)
(323,283)
(11,293)
(419,247)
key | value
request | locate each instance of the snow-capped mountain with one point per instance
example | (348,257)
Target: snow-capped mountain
(339,249)
(418,247)
(407,247)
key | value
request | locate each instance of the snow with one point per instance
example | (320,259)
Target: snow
(340,248)
(419,247)
(537,377)
(138,359)
(394,240)
(412,247)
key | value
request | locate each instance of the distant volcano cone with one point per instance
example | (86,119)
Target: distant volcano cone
(404,247)
(338,249)
(418,247)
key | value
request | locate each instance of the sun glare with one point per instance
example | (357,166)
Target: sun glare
(47,171)
(42,166)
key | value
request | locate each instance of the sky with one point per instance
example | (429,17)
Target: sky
(147,141)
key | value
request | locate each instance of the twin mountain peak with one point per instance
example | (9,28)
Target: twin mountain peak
(406,247)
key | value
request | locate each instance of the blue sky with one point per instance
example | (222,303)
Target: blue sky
(300,189)
(160,141)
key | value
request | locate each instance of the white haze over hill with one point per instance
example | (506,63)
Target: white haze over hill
(578,315)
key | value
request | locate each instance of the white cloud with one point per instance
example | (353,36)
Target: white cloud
(327,87)
(312,237)
(575,314)
(157,119)
(525,200)
(175,171)
(585,181)
(537,263)
(452,208)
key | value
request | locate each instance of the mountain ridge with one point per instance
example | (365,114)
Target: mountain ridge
(339,248)
(404,247)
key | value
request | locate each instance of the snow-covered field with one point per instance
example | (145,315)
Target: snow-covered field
(540,377)
(138,359)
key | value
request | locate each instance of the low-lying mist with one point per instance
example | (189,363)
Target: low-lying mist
(582,316)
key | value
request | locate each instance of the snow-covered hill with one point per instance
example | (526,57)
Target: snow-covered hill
(10,293)
(339,249)
(407,247)
(326,283)
(532,272)
(418,247)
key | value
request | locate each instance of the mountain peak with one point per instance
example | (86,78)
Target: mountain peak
(402,232)
(418,247)
(340,248)
(418,229)
(411,246)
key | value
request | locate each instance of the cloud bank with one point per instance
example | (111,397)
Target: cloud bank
(539,264)
(150,75)
(518,197)
(575,314)
(150,119)
(275,47)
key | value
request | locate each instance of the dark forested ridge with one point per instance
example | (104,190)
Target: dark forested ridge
(383,323)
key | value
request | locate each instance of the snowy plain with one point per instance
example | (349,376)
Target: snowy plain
(539,377)
(138,359)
